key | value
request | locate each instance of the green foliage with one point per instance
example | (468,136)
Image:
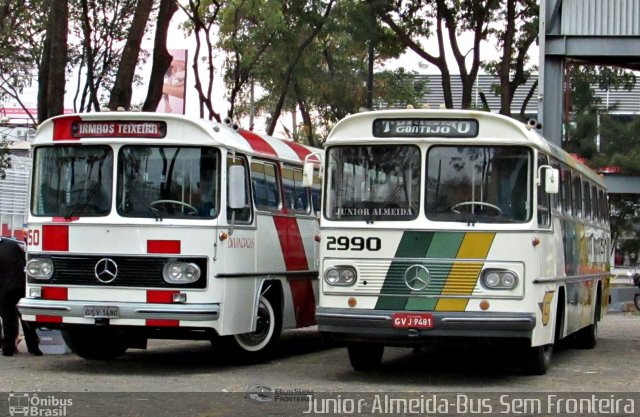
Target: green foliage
(620,142)
(98,35)
(5,159)
(22,26)
(327,79)
(625,209)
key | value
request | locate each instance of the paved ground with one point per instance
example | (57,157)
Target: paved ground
(211,384)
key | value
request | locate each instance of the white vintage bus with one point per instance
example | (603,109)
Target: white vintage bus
(444,223)
(144,225)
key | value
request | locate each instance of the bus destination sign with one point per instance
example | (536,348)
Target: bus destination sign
(425,128)
(119,129)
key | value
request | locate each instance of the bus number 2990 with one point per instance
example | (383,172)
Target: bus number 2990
(355,243)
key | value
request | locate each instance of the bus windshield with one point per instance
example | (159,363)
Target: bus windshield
(168,182)
(479,183)
(373,182)
(72,181)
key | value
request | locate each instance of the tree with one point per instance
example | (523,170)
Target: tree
(22,28)
(584,109)
(412,20)
(100,30)
(52,77)
(5,159)
(248,29)
(515,31)
(307,31)
(202,16)
(161,57)
(121,92)
(326,82)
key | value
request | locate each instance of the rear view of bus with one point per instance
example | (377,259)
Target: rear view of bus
(450,224)
(145,226)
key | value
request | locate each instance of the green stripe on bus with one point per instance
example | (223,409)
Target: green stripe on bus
(412,245)
(444,245)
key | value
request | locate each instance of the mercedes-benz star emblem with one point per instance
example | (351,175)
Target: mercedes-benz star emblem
(416,277)
(106,270)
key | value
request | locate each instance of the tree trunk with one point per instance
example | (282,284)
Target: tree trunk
(306,117)
(54,61)
(287,77)
(122,90)
(161,57)
(439,61)
(86,29)
(505,64)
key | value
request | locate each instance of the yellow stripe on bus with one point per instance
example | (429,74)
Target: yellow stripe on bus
(463,276)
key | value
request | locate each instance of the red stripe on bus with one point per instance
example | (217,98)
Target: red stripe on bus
(55,293)
(304,302)
(163,246)
(55,237)
(258,144)
(160,297)
(62,128)
(49,319)
(300,150)
(162,323)
(295,258)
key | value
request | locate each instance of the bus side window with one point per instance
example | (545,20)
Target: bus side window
(586,199)
(594,203)
(244,215)
(565,191)
(265,186)
(576,194)
(295,195)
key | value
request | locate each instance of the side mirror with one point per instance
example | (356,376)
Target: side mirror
(307,174)
(551,178)
(237,195)
(309,165)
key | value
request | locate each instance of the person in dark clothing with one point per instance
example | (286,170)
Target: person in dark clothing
(12,289)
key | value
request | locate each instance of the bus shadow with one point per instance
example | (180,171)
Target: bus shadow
(449,364)
(170,357)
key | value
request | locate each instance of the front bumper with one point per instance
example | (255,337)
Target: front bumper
(376,326)
(144,311)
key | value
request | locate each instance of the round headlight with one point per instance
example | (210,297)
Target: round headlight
(175,272)
(332,276)
(40,268)
(191,272)
(348,276)
(509,279)
(492,279)
(181,273)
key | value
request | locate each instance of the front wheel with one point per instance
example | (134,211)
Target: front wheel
(365,356)
(636,301)
(538,359)
(98,344)
(261,341)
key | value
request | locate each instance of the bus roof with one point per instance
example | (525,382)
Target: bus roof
(131,127)
(491,128)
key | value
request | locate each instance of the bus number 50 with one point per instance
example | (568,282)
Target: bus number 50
(33,237)
(354,243)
